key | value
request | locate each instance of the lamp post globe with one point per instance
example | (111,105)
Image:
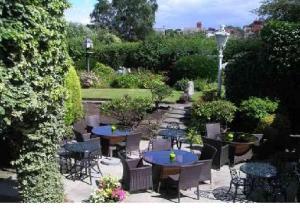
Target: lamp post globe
(88,45)
(222,38)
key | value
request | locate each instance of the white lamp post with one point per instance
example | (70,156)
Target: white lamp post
(88,45)
(221,37)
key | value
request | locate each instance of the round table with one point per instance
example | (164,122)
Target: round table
(107,131)
(261,174)
(162,158)
(174,135)
(262,170)
(113,137)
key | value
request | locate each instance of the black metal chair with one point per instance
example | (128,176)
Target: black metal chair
(160,144)
(222,155)
(89,159)
(188,178)
(207,156)
(136,175)
(237,181)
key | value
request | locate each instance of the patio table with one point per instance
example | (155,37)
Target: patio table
(174,135)
(109,138)
(162,158)
(259,172)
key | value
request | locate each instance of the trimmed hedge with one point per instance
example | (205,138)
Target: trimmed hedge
(33,60)
(73,105)
(270,69)
(195,67)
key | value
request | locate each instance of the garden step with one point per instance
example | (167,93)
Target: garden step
(183,112)
(176,116)
(165,125)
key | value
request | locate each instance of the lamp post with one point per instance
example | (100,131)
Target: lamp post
(221,37)
(88,45)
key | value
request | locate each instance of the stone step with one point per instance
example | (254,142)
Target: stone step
(183,112)
(181,126)
(176,116)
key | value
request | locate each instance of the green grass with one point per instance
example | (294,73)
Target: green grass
(108,94)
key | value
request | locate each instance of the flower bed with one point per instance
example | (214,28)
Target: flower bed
(109,191)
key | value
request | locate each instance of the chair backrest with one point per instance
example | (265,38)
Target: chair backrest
(213,130)
(80,126)
(208,152)
(161,144)
(233,173)
(78,135)
(93,120)
(93,147)
(190,175)
(133,142)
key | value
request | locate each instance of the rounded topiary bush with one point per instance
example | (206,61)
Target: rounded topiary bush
(194,67)
(73,105)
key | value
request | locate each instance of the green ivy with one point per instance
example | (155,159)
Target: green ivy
(32,67)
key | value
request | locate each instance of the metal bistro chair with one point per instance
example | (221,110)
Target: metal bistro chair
(174,134)
(136,175)
(187,178)
(90,158)
(237,181)
(207,156)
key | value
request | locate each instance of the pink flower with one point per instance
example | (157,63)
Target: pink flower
(119,194)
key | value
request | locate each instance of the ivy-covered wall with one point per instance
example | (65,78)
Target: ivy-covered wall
(32,67)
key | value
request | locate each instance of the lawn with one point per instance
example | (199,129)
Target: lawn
(107,94)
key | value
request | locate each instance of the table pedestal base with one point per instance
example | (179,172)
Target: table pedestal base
(111,161)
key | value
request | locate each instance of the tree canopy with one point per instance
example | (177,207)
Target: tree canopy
(282,10)
(131,19)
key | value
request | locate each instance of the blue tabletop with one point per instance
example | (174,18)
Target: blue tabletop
(81,147)
(107,131)
(264,170)
(162,158)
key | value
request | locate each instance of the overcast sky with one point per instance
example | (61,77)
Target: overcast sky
(183,13)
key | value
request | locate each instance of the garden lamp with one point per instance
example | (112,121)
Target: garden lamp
(88,45)
(222,38)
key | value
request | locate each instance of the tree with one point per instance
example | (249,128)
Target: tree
(282,10)
(103,14)
(131,19)
(33,62)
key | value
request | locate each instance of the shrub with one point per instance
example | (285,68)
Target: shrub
(269,69)
(258,108)
(147,79)
(276,121)
(159,92)
(200,84)
(127,110)
(194,137)
(125,81)
(109,191)
(216,111)
(88,79)
(73,105)
(181,85)
(194,67)
(105,74)
(251,111)
(33,60)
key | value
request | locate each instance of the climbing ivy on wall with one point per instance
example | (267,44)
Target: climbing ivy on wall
(32,68)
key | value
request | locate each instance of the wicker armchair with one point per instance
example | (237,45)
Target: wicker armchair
(187,178)
(213,130)
(207,156)
(92,121)
(136,176)
(222,155)
(131,144)
(160,144)
(80,131)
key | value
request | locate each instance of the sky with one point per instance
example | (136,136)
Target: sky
(183,13)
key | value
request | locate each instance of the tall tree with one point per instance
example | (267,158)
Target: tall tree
(131,19)
(283,10)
